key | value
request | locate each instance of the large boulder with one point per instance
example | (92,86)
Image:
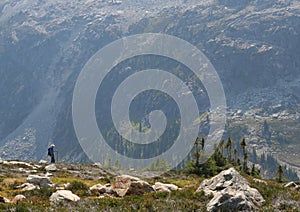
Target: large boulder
(128,185)
(160,187)
(42,181)
(64,195)
(231,192)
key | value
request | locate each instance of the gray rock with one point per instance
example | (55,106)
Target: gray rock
(18,198)
(66,185)
(49,174)
(42,181)
(128,185)
(63,187)
(27,171)
(64,195)
(160,187)
(231,193)
(260,181)
(43,162)
(20,163)
(28,187)
(51,168)
(103,189)
(291,185)
(106,196)
(4,200)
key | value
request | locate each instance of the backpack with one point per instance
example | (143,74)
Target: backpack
(49,153)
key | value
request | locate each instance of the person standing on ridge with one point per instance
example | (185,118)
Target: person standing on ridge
(51,151)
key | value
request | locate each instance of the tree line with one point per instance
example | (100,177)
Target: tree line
(226,154)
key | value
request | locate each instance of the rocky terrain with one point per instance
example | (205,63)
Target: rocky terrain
(28,186)
(254,46)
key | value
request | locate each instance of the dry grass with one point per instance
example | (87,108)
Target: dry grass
(8,186)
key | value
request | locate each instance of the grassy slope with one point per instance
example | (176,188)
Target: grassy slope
(183,200)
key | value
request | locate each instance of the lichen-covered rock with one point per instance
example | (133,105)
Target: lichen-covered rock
(231,192)
(128,185)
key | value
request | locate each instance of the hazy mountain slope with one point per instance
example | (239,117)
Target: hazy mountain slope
(44,45)
(254,46)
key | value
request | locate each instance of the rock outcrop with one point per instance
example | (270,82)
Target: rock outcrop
(231,192)
(64,195)
(128,185)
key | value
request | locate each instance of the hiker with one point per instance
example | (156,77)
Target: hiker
(51,151)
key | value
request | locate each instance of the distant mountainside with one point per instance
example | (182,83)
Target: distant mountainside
(253,45)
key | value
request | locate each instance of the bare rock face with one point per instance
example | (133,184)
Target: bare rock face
(231,193)
(42,181)
(128,185)
(64,195)
(160,187)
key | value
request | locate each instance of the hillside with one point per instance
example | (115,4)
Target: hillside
(253,45)
(176,190)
